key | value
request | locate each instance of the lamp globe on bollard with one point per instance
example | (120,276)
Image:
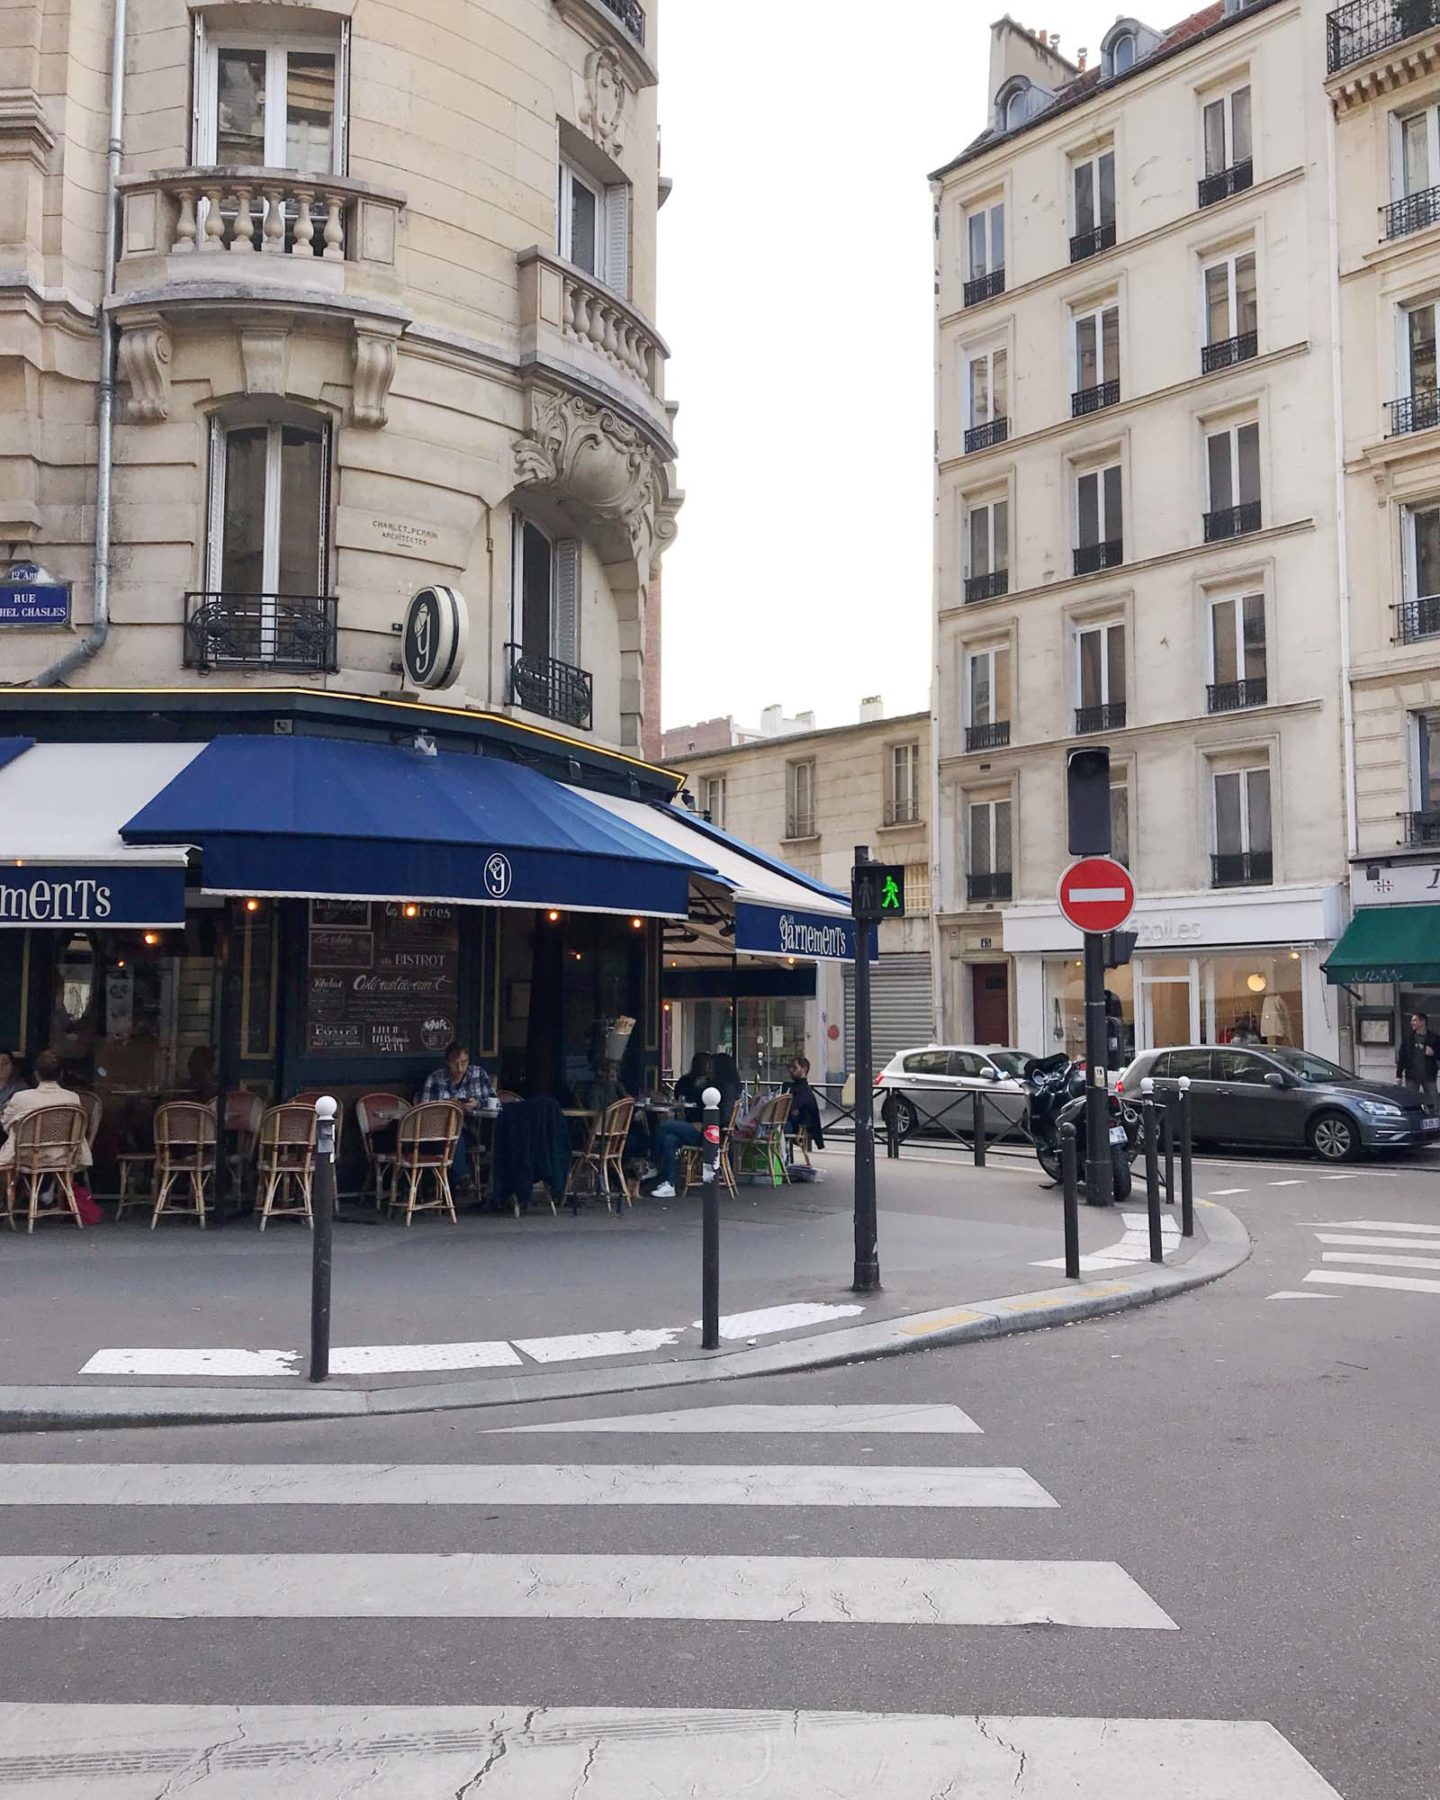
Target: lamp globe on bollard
(710,1222)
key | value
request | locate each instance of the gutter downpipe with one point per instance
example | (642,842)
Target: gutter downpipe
(1342,545)
(94,641)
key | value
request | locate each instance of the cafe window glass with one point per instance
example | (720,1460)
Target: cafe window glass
(1065,1008)
(271,100)
(1254,997)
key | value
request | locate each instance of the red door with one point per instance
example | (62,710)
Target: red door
(990,997)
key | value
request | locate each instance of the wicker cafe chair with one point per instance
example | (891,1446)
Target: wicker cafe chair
(49,1144)
(286,1162)
(373,1112)
(184,1158)
(93,1107)
(603,1158)
(762,1150)
(425,1145)
(690,1164)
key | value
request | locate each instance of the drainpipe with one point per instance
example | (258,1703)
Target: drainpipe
(1342,548)
(105,455)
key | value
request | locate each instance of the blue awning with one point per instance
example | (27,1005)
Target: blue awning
(313,817)
(11,747)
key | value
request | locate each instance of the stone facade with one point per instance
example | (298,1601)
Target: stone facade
(341,226)
(1136,532)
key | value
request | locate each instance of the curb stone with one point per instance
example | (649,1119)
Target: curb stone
(1222,1244)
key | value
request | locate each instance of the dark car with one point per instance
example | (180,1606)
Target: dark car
(1282,1098)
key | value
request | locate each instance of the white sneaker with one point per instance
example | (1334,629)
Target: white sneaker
(665,1191)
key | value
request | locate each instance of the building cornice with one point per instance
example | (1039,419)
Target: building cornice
(1118,252)
(1122,409)
(1120,577)
(902,722)
(1390,69)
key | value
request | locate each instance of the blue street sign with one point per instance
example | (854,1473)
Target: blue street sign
(25,603)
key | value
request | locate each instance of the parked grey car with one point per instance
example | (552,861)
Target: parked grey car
(1283,1098)
(931,1090)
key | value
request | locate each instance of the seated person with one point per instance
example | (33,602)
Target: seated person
(677,1133)
(691,1086)
(46,1092)
(11,1081)
(804,1107)
(470,1087)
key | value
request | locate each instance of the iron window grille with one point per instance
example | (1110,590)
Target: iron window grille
(985,437)
(261,631)
(1366,27)
(987,587)
(1225,353)
(1242,868)
(553,689)
(985,287)
(1108,717)
(1232,521)
(1091,243)
(995,886)
(1225,182)
(1422,827)
(630,14)
(1091,558)
(1417,619)
(1234,696)
(988,737)
(1413,213)
(1415,412)
(1092,399)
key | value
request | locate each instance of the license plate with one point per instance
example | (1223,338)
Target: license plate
(1430,1124)
(1118,1134)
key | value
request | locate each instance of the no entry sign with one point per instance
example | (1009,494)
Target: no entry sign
(1096,894)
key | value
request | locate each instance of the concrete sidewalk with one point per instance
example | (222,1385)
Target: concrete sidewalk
(118,1322)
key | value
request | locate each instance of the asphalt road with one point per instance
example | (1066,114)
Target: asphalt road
(1259,1472)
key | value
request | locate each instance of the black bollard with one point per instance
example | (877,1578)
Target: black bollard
(977,1126)
(1070,1184)
(1152,1171)
(710,1223)
(323,1225)
(1167,1125)
(1187,1163)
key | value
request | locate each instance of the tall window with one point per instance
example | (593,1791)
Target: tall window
(1243,849)
(985,241)
(712,799)
(1100,677)
(1237,653)
(1427,768)
(1096,358)
(987,387)
(1231,311)
(264,102)
(1093,186)
(1232,461)
(546,604)
(594,226)
(987,550)
(269,500)
(987,685)
(989,861)
(902,801)
(1098,520)
(800,799)
(1419,407)
(1417,152)
(1227,131)
(1419,613)
(1120,817)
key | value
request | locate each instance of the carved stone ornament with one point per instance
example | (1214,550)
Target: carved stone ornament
(602,106)
(591,458)
(265,360)
(374,370)
(144,356)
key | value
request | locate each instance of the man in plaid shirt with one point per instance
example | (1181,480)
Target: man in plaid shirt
(468,1085)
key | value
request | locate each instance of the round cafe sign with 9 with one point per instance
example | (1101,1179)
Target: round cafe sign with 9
(434,637)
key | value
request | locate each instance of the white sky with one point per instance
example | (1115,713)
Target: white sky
(795,292)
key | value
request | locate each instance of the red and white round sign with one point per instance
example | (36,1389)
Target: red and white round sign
(1097,894)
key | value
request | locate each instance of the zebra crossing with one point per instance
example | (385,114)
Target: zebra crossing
(540,1751)
(1369,1253)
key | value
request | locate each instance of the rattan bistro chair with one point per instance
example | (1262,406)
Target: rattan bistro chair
(49,1146)
(184,1159)
(690,1165)
(374,1112)
(762,1151)
(602,1161)
(425,1143)
(286,1162)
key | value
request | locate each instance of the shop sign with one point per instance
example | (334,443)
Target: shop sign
(27,601)
(433,638)
(383,978)
(1375,885)
(37,894)
(815,937)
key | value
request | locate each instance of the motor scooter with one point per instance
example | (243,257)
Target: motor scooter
(1057,1098)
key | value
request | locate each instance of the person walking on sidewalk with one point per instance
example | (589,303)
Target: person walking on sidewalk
(676,1134)
(1418,1060)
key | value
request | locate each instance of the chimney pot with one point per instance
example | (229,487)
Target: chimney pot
(1080,56)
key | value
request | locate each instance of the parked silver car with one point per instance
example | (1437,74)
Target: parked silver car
(932,1089)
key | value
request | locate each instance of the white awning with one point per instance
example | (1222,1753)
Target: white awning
(65,803)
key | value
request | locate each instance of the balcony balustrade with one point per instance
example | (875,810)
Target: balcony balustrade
(1091,558)
(1415,619)
(1108,717)
(1094,399)
(987,587)
(1225,353)
(995,886)
(994,736)
(1235,696)
(985,287)
(261,631)
(1231,521)
(985,437)
(1414,412)
(1412,213)
(1090,243)
(554,690)
(1366,27)
(1242,868)
(1225,182)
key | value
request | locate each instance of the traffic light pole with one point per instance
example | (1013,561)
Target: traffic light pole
(1098,1189)
(867,1252)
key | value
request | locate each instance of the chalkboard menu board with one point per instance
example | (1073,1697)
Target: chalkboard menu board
(380,983)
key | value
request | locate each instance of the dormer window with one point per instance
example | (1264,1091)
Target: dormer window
(1020,99)
(1122,53)
(1124,44)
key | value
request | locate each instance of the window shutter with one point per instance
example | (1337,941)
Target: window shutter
(617,238)
(322,548)
(215,524)
(200,151)
(342,102)
(565,632)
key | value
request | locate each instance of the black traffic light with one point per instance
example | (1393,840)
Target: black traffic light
(1119,948)
(1087,795)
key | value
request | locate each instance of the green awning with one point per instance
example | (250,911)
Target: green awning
(1388,943)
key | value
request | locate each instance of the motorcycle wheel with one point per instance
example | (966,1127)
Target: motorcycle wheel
(1121,1178)
(1048,1158)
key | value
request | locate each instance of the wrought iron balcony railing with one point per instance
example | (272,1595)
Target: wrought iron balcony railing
(985,287)
(987,587)
(1226,352)
(1416,619)
(995,886)
(1109,717)
(1092,399)
(988,737)
(1235,696)
(1242,868)
(1225,182)
(261,631)
(1091,243)
(800,825)
(555,690)
(1091,558)
(1415,412)
(1412,213)
(1232,521)
(630,14)
(985,437)
(1366,27)
(902,809)
(1422,827)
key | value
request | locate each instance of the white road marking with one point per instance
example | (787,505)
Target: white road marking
(193,1362)
(1225,1193)
(1338,1178)
(1134,1247)
(800,1420)
(1295,1183)
(1377,1260)
(781,1318)
(551,1753)
(398,1359)
(509,1484)
(1295,1294)
(1410,1284)
(1377,1225)
(1378,1243)
(580,1345)
(878,1590)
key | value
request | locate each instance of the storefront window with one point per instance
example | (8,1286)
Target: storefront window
(1253,997)
(772,1031)
(1065,1011)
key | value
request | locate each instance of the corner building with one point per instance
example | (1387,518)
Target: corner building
(1136,539)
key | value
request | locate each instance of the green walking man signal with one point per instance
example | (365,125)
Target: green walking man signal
(878,891)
